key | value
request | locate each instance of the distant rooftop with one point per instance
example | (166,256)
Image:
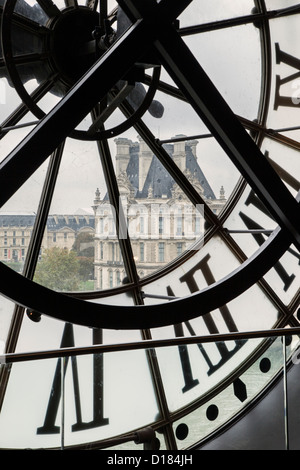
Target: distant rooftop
(54,222)
(158,178)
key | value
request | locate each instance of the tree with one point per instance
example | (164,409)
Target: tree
(84,247)
(58,270)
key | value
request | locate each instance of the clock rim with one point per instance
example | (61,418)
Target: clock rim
(35,288)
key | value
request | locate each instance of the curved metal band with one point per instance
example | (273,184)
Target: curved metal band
(70,309)
(129,122)
(6,42)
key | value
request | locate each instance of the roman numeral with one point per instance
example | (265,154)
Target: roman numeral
(294,62)
(286,278)
(224,353)
(49,426)
(284,175)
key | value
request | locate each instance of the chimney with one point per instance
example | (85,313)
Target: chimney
(145,159)
(122,155)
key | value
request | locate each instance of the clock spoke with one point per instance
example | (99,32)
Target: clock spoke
(157,148)
(49,8)
(218,117)
(45,301)
(63,117)
(221,24)
(254,17)
(22,109)
(71,3)
(83,184)
(30,58)
(43,212)
(226,128)
(27,21)
(166,88)
(92,4)
(119,216)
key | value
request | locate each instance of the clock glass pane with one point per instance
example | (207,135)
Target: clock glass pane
(139,204)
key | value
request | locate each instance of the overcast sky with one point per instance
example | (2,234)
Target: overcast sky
(231,59)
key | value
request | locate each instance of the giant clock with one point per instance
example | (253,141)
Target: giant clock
(76,76)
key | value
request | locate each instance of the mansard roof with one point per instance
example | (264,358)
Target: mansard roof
(54,222)
(11,219)
(76,223)
(158,178)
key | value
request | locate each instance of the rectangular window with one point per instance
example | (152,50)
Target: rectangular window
(161,252)
(197,226)
(100,278)
(111,227)
(160,225)
(101,226)
(112,258)
(142,252)
(179,226)
(179,249)
(142,225)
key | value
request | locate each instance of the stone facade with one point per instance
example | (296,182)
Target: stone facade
(60,231)
(160,220)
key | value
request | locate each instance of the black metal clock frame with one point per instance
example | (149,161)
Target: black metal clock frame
(197,88)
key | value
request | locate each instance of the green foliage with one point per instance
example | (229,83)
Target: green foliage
(86,268)
(58,270)
(84,246)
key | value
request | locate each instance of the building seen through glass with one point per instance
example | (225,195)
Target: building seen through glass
(161,221)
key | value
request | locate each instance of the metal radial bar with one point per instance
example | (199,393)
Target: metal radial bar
(22,110)
(26,24)
(18,166)
(120,221)
(36,238)
(50,132)
(43,212)
(31,258)
(49,8)
(238,21)
(218,117)
(183,182)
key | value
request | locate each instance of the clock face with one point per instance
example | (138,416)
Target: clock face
(150,184)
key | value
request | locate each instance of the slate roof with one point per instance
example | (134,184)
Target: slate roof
(16,220)
(53,222)
(72,222)
(158,177)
